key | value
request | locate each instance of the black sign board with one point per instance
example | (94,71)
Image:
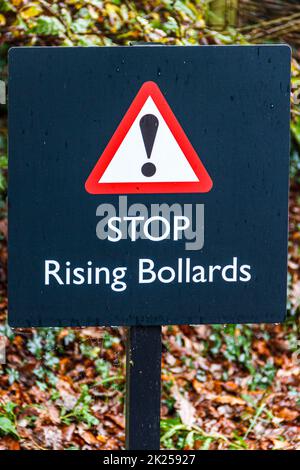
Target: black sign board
(148,185)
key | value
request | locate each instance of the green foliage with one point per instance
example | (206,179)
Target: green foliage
(234,343)
(109,340)
(6,5)
(5,330)
(47,26)
(168,399)
(50,360)
(13,375)
(295,128)
(295,165)
(44,346)
(8,420)
(35,345)
(89,351)
(81,411)
(102,368)
(3,169)
(69,338)
(263,377)
(176,435)
(237,343)
(43,343)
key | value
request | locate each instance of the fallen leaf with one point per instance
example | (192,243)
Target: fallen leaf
(87,436)
(278,445)
(8,443)
(184,407)
(117,419)
(287,414)
(198,386)
(229,400)
(53,414)
(230,386)
(67,432)
(52,437)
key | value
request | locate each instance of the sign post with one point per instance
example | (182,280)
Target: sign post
(143,353)
(143,383)
(181,220)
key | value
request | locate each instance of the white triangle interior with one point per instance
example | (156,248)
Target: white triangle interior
(171,163)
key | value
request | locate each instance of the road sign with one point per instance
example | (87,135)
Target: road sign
(149,152)
(144,237)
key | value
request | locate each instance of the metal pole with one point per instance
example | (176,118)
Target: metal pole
(143,383)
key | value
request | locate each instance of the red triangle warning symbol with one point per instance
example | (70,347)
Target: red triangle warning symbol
(149,153)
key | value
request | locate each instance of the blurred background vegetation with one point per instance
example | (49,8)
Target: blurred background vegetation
(224,386)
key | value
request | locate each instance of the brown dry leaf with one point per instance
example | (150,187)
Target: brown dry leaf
(64,364)
(202,331)
(184,407)
(261,347)
(293,265)
(117,419)
(170,359)
(67,432)
(52,437)
(3,227)
(39,395)
(101,438)
(230,386)
(8,443)
(287,414)
(67,396)
(295,295)
(278,445)
(229,400)
(53,414)
(95,333)
(198,386)
(87,436)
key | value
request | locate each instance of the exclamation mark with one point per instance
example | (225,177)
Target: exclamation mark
(148,125)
